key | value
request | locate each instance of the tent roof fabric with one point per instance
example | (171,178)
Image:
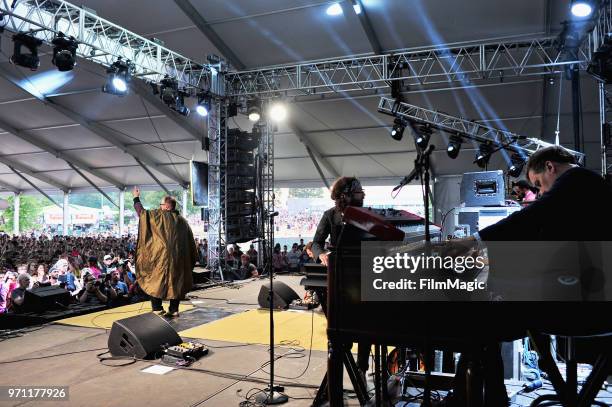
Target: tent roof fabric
(347,131)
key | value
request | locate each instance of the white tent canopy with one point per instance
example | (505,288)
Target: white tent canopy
(344,128)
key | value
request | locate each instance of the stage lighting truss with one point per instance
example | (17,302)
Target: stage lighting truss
(30,59)
(467,129)
(119,75)
(64,52)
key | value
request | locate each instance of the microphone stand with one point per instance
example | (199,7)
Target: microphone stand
(421,171)
(270,396)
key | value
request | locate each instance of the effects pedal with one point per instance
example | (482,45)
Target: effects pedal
(187,351)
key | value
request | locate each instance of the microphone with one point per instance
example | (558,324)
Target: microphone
(415,172)
(273,214)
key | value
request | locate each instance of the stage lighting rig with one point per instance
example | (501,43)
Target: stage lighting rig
(119,75)
(204,103)
(581,8)
(516,168)
(27,60)
(254,109)
(64,52)
(422,135)
(483,155)
(180,103)
(454,145)
(168,90)
(399,125)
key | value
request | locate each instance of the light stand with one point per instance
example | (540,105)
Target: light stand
(270,396)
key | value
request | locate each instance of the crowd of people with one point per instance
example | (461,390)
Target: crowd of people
(95,270)
(296,224)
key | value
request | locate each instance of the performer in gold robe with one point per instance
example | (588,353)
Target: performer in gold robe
(165,254)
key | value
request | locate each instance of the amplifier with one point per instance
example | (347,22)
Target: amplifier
(484,188)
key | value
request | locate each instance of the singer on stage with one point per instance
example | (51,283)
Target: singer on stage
(165,255)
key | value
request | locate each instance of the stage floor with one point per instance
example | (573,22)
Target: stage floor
(92,383)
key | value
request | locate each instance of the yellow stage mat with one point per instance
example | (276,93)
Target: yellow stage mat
(104,319)
(291,328)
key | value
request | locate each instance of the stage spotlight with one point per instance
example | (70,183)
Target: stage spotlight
(397,132)
(203,106)
(64,52)
(253,110)
(118,76)
(334,10)
(483,155)
(29,60)
(180,104)
(422,136)
(517,166)
(581,8)
(454,145)
(168,92)
(278,112)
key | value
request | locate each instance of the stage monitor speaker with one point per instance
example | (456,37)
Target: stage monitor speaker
(199,183)
(42,299)
(283,295)
(142,336)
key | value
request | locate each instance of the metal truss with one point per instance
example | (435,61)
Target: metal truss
(265,192)
(605,121)
(459,63)
(100,40)
(466,128)
(217,129)
(603,26)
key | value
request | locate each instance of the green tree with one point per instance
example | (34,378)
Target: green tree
(30,210)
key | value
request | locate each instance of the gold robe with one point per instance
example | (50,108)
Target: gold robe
(165,254)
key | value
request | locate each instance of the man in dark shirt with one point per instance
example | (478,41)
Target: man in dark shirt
(346,191)
(18,294)
(574,205)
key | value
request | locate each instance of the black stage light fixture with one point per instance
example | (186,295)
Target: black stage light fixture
(64,52)
(168,91)
(180,103)
(27,60)
(422,136)
(204,103)
(483,155)
(119,75)
(397,132)
(254,109)
(516,167)
(454,145)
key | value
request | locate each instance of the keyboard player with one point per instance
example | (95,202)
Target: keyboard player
(346,191)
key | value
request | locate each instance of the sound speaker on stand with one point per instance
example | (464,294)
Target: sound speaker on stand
(283,295)
(142,336)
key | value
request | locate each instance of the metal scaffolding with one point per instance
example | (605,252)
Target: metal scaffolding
(102,41)
(465,128)
(265,191)
(462,63)
(216,209)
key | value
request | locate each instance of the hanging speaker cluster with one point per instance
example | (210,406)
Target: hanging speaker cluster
(241,219)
